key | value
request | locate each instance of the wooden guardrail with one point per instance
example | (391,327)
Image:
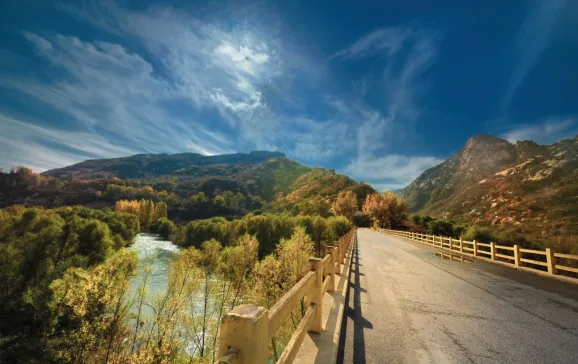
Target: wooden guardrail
(543,262)
(247,329)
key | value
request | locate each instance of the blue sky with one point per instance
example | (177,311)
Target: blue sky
(378,90)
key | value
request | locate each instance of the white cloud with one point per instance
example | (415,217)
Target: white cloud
(386,39)
(393,170)
(227,71)
(26,144)
(533,38)
(546,133)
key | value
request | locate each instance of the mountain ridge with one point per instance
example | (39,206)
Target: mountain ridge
(153,165)
(193,185)
(491,180)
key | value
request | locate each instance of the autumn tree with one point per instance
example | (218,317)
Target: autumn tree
(90,305)
(386,209)
(345,204)
(147,211)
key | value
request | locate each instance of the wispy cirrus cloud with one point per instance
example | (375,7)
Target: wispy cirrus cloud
(162,79)
(532,39)
(547,132)
(376,42)
(197,87)
(38,147)
(404,55)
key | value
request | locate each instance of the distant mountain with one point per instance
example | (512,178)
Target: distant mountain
(154,165)
(262,177)
(492,180)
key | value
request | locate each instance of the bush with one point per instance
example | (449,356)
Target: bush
(164,227)
(479,234)
(268,229)
(441,227)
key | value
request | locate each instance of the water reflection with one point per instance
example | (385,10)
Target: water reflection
(449,256)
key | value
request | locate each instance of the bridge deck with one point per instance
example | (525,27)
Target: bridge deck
(406,305)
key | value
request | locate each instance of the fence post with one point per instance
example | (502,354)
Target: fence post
(516,255)
(337,253)
(314,296)
(461,245)
(451,243)
(551,260)
(343,252)
(245,328)
(475,248)
(329,250)
(492,250)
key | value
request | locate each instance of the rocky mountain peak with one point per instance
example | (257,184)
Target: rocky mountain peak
(483,155)
(486,139)
(492,180)
(527,149)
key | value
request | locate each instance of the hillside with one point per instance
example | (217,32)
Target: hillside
(193,185)
(493,181)
(155,165)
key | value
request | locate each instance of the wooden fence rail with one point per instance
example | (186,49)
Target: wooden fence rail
(512,256)
(246,330)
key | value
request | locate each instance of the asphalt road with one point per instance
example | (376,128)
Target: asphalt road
(406,305)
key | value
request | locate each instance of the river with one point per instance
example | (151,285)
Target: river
(160,252)
(154,251)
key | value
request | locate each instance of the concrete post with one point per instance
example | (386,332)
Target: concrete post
(551,260)
(337,246)
(451,243)
(493,250)
(314,296)
(516,256)
(331,269)
(343,252)
(475,248)
(246,328)
(461,245)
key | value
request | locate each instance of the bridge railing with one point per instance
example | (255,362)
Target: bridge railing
(246,331)
(544,262)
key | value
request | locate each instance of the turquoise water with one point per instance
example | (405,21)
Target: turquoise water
(153,249)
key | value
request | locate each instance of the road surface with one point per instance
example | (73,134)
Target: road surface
(406,305)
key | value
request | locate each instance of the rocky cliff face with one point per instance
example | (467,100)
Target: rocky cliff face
(492,180)
(482,156)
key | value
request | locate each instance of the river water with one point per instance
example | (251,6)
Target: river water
(153,250)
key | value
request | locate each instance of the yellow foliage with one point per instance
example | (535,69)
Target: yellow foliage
(346,204)
(147,211)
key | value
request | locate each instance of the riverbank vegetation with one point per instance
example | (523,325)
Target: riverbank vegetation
(100,320)
(39,246)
